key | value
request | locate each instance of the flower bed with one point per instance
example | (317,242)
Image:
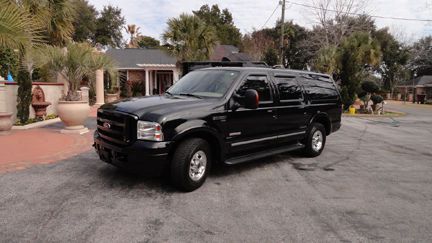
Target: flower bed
(35,120)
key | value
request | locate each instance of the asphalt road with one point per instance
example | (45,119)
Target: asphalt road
(372,183)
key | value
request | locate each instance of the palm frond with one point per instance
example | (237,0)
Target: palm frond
(17,27)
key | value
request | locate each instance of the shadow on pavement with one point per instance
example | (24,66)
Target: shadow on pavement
(122,179)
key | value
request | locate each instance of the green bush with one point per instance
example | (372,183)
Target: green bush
(24,95)
(347,97)
(370,87)
(376,99)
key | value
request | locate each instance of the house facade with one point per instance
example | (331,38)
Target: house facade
(152,70)
(420,86)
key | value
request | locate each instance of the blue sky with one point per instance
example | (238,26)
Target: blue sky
(151,15)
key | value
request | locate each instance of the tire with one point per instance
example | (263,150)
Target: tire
(189,159)
(315,140)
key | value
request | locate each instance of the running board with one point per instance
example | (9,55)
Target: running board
(262,154)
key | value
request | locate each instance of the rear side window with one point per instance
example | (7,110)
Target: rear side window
(319,88)
(258,83)
(288,88)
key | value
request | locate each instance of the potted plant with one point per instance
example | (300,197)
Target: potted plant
(113,91)
(112,94)
(75,61)
(5,117)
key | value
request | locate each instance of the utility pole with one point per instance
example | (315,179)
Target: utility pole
(282,61)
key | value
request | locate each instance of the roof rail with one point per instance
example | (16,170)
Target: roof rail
(191,66)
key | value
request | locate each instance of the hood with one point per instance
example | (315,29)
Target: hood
(154,107)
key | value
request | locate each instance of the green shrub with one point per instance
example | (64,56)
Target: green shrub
(347,97)
(370,87)
(24,95)
(376,99)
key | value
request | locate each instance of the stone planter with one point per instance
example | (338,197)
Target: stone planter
(388,96)
(73,114)
(5,123)
(111,97)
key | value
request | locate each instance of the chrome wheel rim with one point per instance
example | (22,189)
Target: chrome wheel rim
(317,141)
(197,165)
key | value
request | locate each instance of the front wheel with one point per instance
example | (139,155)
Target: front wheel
(190,164)
(315,140)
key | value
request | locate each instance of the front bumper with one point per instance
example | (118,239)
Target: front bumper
(144,157)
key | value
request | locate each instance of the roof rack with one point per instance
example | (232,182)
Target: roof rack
(191,66)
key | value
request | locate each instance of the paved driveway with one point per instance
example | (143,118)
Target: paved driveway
(380,190)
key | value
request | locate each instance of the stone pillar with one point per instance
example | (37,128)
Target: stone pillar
(85,93)
(147,83)
(100,99)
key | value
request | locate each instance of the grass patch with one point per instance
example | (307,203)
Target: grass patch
(385,114)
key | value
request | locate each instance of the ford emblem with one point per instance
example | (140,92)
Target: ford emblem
(107,125)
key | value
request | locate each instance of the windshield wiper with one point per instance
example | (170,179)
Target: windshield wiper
(168,93)
(190,95)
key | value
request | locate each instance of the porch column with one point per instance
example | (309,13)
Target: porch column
(175,75)
(147,83)
(100,99)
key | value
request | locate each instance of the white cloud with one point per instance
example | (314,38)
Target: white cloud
(151,15)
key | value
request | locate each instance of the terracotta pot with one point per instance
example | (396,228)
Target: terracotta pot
(73,114)
(5,123)
(111,97)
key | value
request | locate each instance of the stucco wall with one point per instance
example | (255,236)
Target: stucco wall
(53,92)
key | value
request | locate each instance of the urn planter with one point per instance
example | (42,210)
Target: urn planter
(73,114)
(111,97)
(5,123)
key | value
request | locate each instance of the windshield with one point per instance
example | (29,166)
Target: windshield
(205,83)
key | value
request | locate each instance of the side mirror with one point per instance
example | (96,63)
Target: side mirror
(251,99)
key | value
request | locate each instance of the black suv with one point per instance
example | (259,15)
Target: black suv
(219,115)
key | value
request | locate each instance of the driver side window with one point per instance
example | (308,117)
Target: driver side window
(260,84)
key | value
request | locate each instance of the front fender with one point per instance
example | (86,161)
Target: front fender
(199,128)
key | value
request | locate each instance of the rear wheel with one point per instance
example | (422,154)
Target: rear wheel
(315,140)
(190,164)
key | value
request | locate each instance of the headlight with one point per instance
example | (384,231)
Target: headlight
(149,131)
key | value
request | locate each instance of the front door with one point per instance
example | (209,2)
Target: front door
(251,129)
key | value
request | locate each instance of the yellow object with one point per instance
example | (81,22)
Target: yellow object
(352,110)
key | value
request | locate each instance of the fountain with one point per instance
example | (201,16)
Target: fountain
(38,103)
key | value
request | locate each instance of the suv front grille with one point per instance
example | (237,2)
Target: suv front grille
(115,127)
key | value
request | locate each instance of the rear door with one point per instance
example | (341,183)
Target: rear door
(321,95)
(291,122)
(250,129)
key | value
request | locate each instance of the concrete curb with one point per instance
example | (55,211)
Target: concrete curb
(37,124)
(396,114)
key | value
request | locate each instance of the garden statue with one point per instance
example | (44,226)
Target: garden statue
(38,103)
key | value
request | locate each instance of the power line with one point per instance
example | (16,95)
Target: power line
(277,6)
(355,14)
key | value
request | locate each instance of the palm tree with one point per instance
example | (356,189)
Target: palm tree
(190,38)
(74,62)
(18,29)
(133,31)
(56,17)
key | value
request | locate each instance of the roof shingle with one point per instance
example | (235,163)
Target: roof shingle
(130,58)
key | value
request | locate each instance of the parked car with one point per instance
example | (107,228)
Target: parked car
(219,115)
